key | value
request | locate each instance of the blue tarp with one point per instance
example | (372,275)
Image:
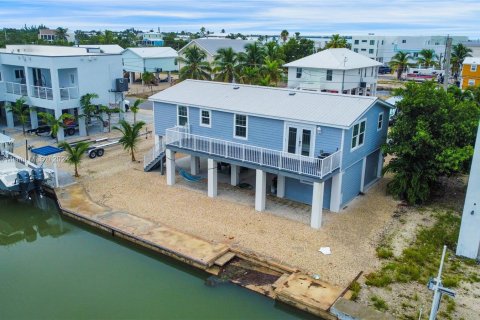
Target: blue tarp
(46,151)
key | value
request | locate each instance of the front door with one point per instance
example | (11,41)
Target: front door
(299,140)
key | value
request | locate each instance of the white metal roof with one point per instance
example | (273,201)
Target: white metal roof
(104,48)
(211,45)
(292,105)
(471,60)
(51,51)
(5,139)
(335,59)
(154,52)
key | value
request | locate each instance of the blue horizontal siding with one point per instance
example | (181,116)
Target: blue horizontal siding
(351,182)
(373,138)
(164,117)
(302,192)
(329,140)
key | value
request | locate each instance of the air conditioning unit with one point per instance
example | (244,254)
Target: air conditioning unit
(121,85)
(363,84)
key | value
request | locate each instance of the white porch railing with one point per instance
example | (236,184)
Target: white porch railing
(16,88)
(68,93)
(41,92)
(295,163)
(153,153)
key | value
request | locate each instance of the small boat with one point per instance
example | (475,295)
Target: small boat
(18,176)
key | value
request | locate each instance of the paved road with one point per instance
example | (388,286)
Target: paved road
(147,105)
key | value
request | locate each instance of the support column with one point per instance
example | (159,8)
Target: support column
(234,175)
(362,180)
(170,161)
(60,133)
(132,77)
(212,178)
(260,190)
(317,205)
(9,114)
(336,195)
(280,186)
(82,127)
(33,117)
(194,165)
(156,138)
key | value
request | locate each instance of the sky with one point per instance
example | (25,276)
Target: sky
(319,17)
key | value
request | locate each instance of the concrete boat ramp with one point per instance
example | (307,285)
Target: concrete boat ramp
(261,275)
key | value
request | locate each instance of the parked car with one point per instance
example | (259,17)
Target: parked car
(384,70)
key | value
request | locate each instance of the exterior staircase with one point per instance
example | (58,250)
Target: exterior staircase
(154,158)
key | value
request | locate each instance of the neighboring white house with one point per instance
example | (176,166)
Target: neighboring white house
(334,70)
(211,45)
(383,48)
(53,78)
(102,48)
(469,238)
(151,59)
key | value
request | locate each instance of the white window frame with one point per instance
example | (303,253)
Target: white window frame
(357,137)
(209,125)
(15,73)
(380,122)
(473,67)
(298,73)
(235,126)
(178,115)
(331,75)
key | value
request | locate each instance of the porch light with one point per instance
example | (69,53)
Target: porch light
(319,130)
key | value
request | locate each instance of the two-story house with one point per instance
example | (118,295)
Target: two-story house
(150,59)
(317,148)
(53,78)
(337,70)
(470,72)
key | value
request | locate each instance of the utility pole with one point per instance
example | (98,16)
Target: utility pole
(448,55)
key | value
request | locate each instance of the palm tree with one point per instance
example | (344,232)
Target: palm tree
(148,78)
(226,65)
(21,111)
(274,52)
(75,153)
(135,108)
(272,70)
(61,34)
(195,65)
(108,111)
(54,123)
(253,56)
(336,41)
(130,135)
(249,75)
(400,62)
(459,53)
(284,35)
(427,58)
(265,81)
(89,110)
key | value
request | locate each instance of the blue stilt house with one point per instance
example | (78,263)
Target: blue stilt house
(317,148)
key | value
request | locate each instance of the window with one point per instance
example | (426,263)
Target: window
(355,50)
(371,73)
(404,41)
(471,82)
(241,123)
(382,42)
(363,49)
(357,42)
(358,134)
(380,121)
(72,78)
(473,67)
(370,51)
(205,118)
(329,75)
(0,76)
(364,40)
(299,73)
(415,54)
(182,115)
(19,74)
(372,42)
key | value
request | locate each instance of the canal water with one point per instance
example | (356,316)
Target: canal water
(53,268)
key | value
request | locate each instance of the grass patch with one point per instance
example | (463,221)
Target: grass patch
(384,253)
(420,261)
(356,288)
(379,303)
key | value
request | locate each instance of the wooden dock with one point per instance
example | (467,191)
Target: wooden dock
(249,270)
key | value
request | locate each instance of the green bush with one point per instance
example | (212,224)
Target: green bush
(355,287)
(379,303)
(378,279)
